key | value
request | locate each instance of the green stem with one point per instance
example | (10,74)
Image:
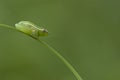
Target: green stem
(63,59)
(53,50)
(7,26)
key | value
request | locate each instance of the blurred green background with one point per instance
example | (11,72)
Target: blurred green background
(85,32)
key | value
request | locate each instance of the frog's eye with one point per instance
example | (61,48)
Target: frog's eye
(31,29)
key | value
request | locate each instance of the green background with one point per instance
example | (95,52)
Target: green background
(85,32)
